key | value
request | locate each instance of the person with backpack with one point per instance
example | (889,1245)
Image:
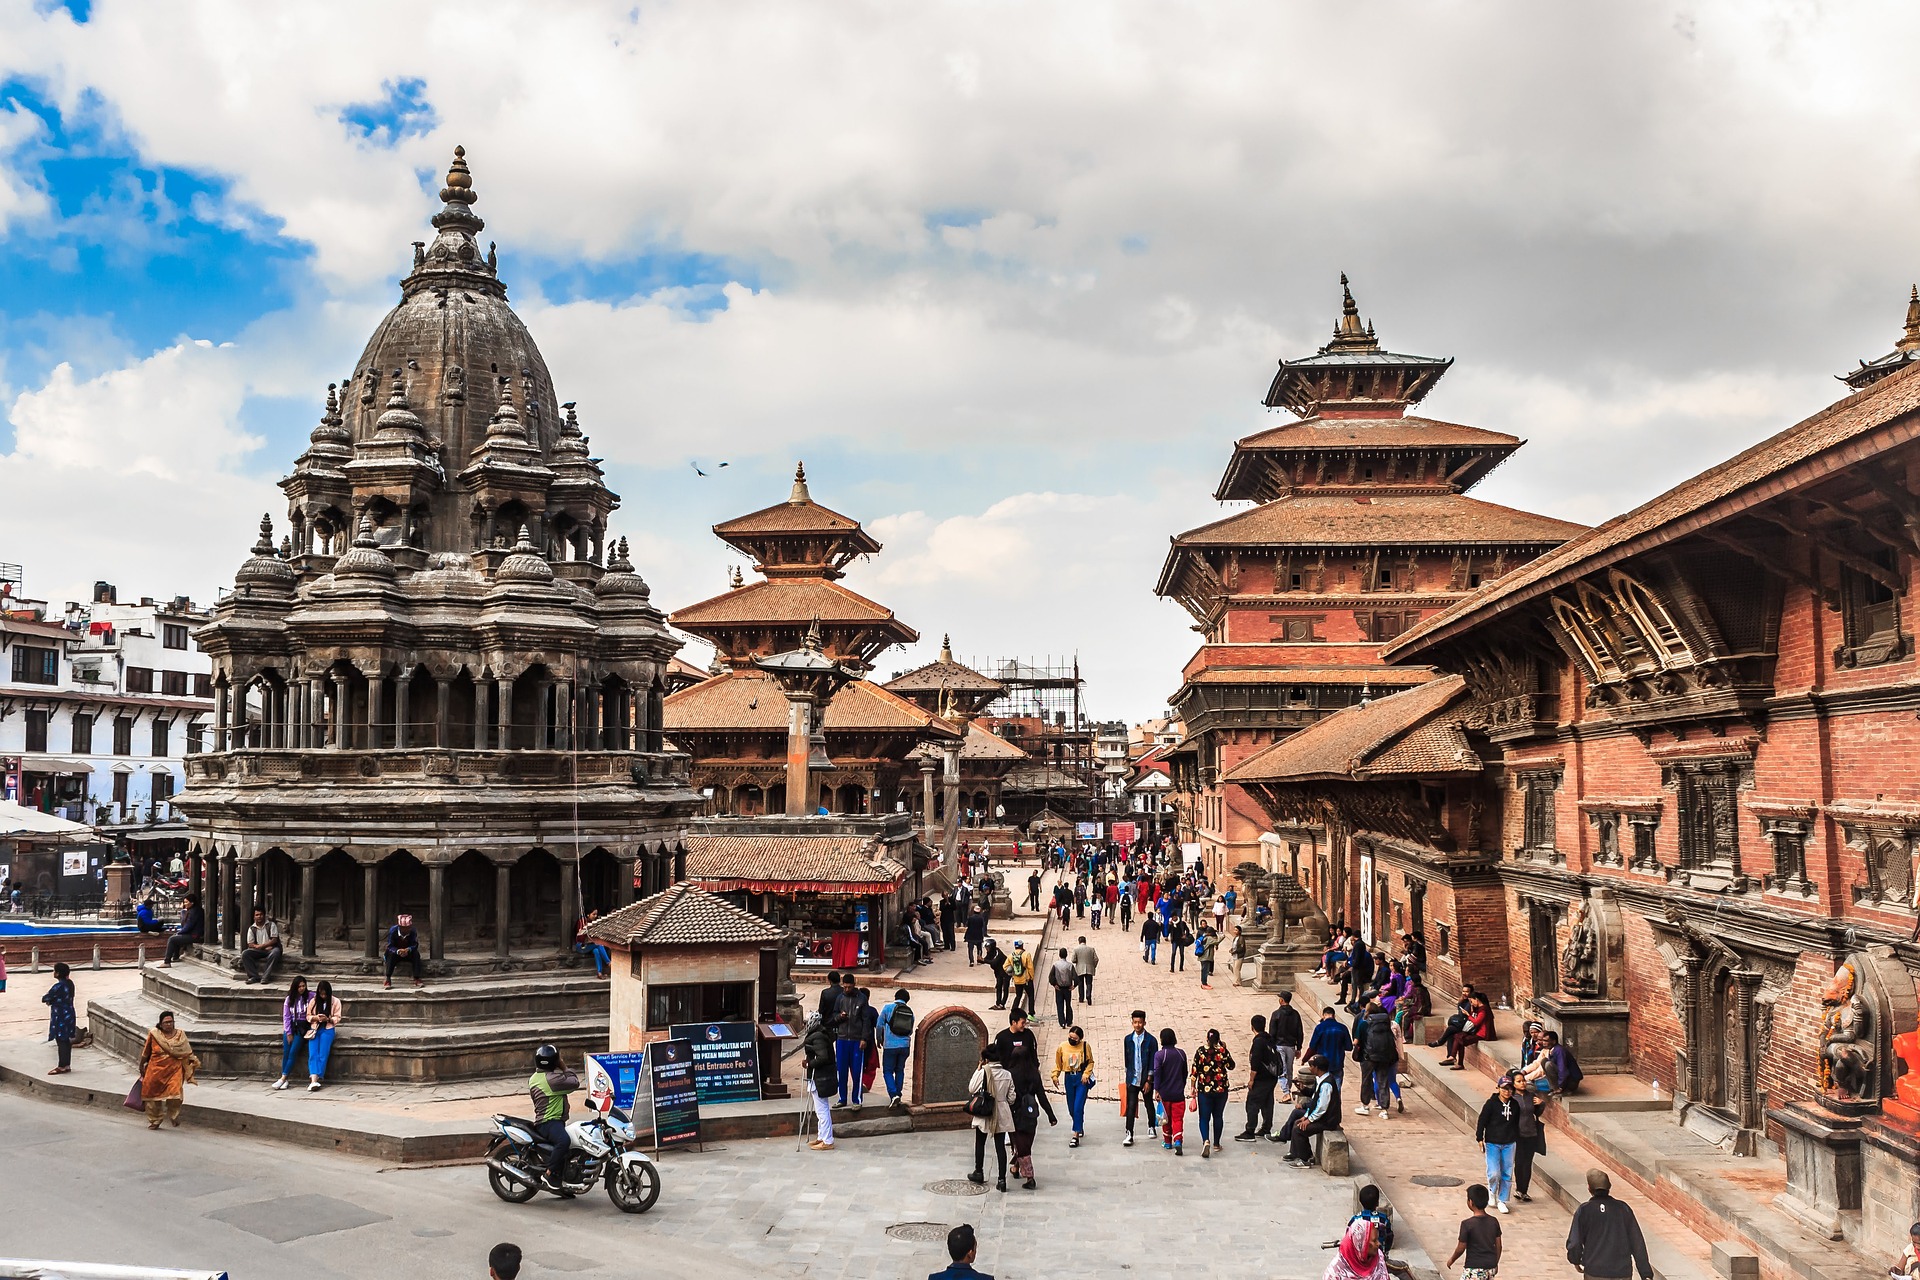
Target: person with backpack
(896,1030)
(1020,977)
(1263,1062)
(1382,1056)
(1180,935)
(1289,1036)
(1205,942)
(1063,978)
(823,1078)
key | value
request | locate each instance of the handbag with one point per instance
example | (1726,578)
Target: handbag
(134,1102)
(980,1105)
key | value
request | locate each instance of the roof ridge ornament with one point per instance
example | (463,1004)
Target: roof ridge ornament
(459,188)
(264,545)
(946,647)
(800,492)
(1910,340)
(1349,333)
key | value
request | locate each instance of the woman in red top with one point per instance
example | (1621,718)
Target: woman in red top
(1479,1027)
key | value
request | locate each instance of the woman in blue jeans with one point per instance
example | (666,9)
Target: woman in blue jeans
(293,1027)
(1073,1072)
(1497,1132)
(323,1017)
(1211,1080)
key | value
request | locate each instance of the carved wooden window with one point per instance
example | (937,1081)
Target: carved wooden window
(1539,789)
(1889,858)
(1608,826)
(1655,624)
(1646,855)
(1445,931)
(1709,817)
(37,730)
(1870,615)
(1789,839)
(1586,640)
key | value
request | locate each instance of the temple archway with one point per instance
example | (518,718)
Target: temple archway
(534,892)
(276,890)
(401,888)
(338,893)
(850,798)
(471,890)
(599,882)
(748,800)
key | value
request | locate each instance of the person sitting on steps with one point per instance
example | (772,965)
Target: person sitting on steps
(403,947)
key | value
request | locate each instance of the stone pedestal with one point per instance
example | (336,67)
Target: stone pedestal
(1000,903)
(1593,1031)
(1890,1186)
(119,897)
(1823,1167)
(946,1053)
(1282,962)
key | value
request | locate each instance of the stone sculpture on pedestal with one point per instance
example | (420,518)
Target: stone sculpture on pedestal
(1847,1041)
(1579,959)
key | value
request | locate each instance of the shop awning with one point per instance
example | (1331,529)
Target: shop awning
(54,764)
(18,820)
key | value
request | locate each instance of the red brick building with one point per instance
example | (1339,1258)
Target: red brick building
(1362,528)
(1670,798)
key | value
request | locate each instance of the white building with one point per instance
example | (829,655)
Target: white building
(99,705)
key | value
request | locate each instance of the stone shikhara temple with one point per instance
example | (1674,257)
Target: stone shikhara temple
(439,695)
(1658,791)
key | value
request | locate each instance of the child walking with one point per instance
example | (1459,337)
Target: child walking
(1479,1239)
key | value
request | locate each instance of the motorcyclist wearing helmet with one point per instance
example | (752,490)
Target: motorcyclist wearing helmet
(549,1086)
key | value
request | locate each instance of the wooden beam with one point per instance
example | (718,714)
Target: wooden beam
(1829,596)
(1887,578)
(1902,542)
(1887,486)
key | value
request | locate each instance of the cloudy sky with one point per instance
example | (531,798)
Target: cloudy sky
(1009,277)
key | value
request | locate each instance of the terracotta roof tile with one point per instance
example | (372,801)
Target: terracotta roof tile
(1390,735)
(1715,495)
(685,915)
(788,517)
(756,862)
(750,700)
(980,745)
(1393,677)
(1438,519)
(1327,433)
(944,675)
(787,600)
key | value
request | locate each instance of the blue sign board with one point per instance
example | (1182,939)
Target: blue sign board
(622,1073)
(726,1060)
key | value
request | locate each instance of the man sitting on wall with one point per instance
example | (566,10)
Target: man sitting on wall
(193,928)
(260,950)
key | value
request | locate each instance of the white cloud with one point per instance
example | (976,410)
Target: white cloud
(132,476)
(21,197)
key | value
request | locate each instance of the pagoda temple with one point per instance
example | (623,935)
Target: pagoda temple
(959,694)
(735,724)
(1362,527)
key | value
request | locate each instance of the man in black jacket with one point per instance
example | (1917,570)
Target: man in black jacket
(193,928)
(1020,1052)
(1264,1060)
(1605,1241)
(1289,1036)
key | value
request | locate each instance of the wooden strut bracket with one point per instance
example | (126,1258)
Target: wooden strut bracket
(1827,595)
(1887,578)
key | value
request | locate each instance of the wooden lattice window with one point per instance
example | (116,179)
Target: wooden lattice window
(1709,817)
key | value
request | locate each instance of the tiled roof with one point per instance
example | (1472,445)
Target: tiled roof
(1401,733)
(1438,519)
(1390,676)
(1717,494)
(788,517)
(764,863)
(685,915)
(750,700)
(787,600)
(1398,432)
(944,675)
(980,745)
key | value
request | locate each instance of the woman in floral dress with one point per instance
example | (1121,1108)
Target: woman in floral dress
(1211,1065)
(61,1024)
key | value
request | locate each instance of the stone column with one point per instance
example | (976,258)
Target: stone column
(563,708)
(1746,983)
(502,907)
(656,718)
(436,911)
(568,911)
(370,889)
(308,924)
(542,728)
(337,724)
(1693,1036)
(679,864)
(402,708)
(229,869)
(222,699)
(376,702)
(799,749)
(239,720)
(503,712)
(927,768)
(623,888)
(442,719)
(243,914)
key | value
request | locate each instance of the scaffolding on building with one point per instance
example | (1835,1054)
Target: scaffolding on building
(1043,712)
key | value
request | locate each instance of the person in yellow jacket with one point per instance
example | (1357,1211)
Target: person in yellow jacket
(1020,973)
(1073,1059)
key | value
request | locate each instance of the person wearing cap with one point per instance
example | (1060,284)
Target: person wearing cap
(403,947)
(1605,1241)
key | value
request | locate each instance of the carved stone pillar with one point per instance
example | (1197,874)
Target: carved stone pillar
(623,887)
(1695,1035)
(503,714)
(1745,983)
(370,892)
(376,703)
(308,930)
(243,915)
(568,911)
(402,708)
(563,710)
(542,727)
(229,870)
(436,911)
(337,723)
(222,699)
(502,907)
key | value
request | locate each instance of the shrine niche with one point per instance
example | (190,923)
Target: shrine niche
(1587,1005)
(1724,992)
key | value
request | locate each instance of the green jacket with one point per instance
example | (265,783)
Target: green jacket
(549,1090)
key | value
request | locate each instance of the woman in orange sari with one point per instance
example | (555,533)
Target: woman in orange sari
(166,1068)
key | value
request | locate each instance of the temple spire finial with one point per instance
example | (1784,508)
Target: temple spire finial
(800,492)
(1910,340)
(946,648)
(812,642)
(264,546)
(1350,333)
(736,581)
(459,188)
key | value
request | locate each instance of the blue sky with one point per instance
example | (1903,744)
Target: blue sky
(1009,280)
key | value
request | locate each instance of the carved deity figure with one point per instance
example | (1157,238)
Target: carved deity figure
(1579,959)
(1846,1040)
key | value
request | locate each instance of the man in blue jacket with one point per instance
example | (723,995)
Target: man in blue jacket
(896,1038)
(1332,1042)
(1137,1053)
(962,1247)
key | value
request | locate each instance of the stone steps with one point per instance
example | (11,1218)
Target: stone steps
(208,992)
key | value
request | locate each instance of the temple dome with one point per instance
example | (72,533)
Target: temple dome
(525,564)
(264,570)
(620,579)
(365,559)
(452,339)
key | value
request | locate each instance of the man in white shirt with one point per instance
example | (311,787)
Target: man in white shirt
(262,949)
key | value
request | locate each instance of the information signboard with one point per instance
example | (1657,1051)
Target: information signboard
(618,1076)
(676,1101)
(726,1060)
(1125,833)
(1087,830)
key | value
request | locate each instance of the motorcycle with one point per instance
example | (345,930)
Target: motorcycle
(602,1151)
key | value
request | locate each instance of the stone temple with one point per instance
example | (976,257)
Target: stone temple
(440,695)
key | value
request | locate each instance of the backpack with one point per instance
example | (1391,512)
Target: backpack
(1017,965)
(1200,946)
(901,1013)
